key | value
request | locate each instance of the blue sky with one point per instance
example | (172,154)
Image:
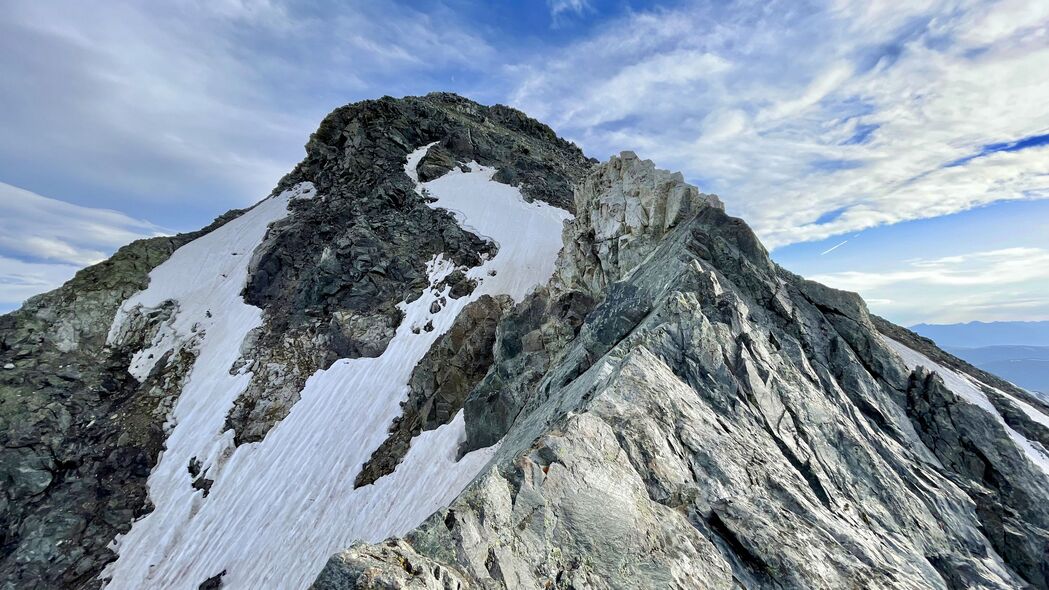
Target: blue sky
(896,149)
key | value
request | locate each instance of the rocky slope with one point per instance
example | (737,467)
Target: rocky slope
(78,434)
(90,394)
(715,421)
(395,348)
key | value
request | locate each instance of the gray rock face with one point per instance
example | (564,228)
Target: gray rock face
(977,451)
(78,434)
(527,340)
(624,208)
(1013,415)
(329,276)
(712,420)
(441,381)
(672,411)
(369,567)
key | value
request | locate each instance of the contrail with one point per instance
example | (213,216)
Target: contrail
(834,247)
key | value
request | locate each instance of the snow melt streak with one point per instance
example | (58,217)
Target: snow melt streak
(968,389)
(280,508)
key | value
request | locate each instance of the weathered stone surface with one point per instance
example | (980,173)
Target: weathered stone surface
(441,381)
(78,434)
(715,421)
(390,566)
(983,460)
(460,285)
(624,208)
(527,341)
(436,163)
(361,246)
(212,583)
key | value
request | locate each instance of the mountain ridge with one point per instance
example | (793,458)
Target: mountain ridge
(658,405)
(978,334)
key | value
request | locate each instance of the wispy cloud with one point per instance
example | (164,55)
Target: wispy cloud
(994,284)
(164,108)
(562,8)
(996,267)
(34,227)
(44,241)
(791,112)
(20,280)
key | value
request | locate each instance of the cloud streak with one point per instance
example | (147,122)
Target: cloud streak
(834,247)
(790,112)
(20,280)
(993,284)
(34,227)
(44,241)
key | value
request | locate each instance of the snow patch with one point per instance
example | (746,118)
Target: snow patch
(278,509)
(1032,412)
(970,390)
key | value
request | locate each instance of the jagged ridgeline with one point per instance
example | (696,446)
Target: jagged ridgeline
(450,351)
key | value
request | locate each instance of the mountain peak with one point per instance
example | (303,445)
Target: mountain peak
(625,207)
(453,351)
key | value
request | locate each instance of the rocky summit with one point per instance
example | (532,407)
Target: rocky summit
(450,351)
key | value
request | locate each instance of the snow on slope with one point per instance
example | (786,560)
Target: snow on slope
(1032,412)
(970,390)
(279,508)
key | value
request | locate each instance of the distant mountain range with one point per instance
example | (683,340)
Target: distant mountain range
(1016,351)
(980,334)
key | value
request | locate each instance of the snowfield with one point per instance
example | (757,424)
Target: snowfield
(280,508)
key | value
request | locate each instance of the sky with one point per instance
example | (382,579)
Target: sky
(896,149)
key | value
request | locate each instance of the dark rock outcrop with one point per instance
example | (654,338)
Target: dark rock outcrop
(980,457)
(78,434)
(330,275)
(714,420)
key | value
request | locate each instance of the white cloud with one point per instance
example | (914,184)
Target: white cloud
(792,113)
(559,7)
(995,267)
(1000,284)
(20,280)
(35,227)
(163,107)
(826,82)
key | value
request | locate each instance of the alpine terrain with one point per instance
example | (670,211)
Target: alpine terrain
(450,351)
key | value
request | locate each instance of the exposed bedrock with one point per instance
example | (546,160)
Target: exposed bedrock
(1010,493)
(329,276)
(78,433)
(702,418)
